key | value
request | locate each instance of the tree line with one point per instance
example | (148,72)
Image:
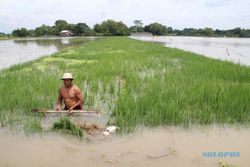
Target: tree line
(118,28)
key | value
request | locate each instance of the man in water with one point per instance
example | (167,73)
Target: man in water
(70,94)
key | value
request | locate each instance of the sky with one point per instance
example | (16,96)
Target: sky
(179,14)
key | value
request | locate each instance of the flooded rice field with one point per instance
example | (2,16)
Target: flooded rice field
(23,50)
(171,146)
(236,50)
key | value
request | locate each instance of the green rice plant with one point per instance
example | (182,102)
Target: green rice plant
(66,125)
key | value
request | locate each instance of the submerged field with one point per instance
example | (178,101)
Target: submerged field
(140,83)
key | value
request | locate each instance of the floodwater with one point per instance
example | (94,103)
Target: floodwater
(23,50)
(236,50)
(170,146)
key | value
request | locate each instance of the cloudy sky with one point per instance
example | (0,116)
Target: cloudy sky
(221,14)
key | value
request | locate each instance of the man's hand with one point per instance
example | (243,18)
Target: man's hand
(70,109)
(58,108)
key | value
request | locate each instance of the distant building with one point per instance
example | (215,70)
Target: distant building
(65,33)
(141,34)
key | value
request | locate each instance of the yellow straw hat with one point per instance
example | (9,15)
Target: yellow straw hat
(67,76)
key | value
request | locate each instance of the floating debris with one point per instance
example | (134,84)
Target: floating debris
(110,130)
(162,155)
(111,161)
(91,129)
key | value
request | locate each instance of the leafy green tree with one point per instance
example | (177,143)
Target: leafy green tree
(39,31)
(218,33)
(245,33)
(176,32)
(196,32)
(70,27)
(112,28)
(81,29)
(51,30)
(137,26)
(156,29)
(138,23)
(208,32)
(170,30)
(235,31)
(45,30)
(60,25)
(122,29)
(98,28)
(31,33)
(22,32)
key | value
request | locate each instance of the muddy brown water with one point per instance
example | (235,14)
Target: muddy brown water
(171,146)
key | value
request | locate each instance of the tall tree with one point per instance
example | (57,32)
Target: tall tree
(22,32)
(60,25)
(137,26)
(112,28)
(81,29)
(45,30)
(208,32)
(156,29)
(98,28)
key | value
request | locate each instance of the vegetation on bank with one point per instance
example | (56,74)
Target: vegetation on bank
(118,28)
(5,37)
(141,83)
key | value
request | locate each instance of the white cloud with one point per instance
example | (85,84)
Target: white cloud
(221,14)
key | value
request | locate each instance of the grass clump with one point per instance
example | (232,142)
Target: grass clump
(67,126)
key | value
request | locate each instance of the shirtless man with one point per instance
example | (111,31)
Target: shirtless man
(70,94)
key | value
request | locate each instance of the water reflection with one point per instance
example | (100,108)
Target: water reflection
(59,43)
(23,50)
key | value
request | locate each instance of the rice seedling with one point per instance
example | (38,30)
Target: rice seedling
(64,124)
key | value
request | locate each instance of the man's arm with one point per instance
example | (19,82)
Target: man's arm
(59,101)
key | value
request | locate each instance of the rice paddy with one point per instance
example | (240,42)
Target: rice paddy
(138,83)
